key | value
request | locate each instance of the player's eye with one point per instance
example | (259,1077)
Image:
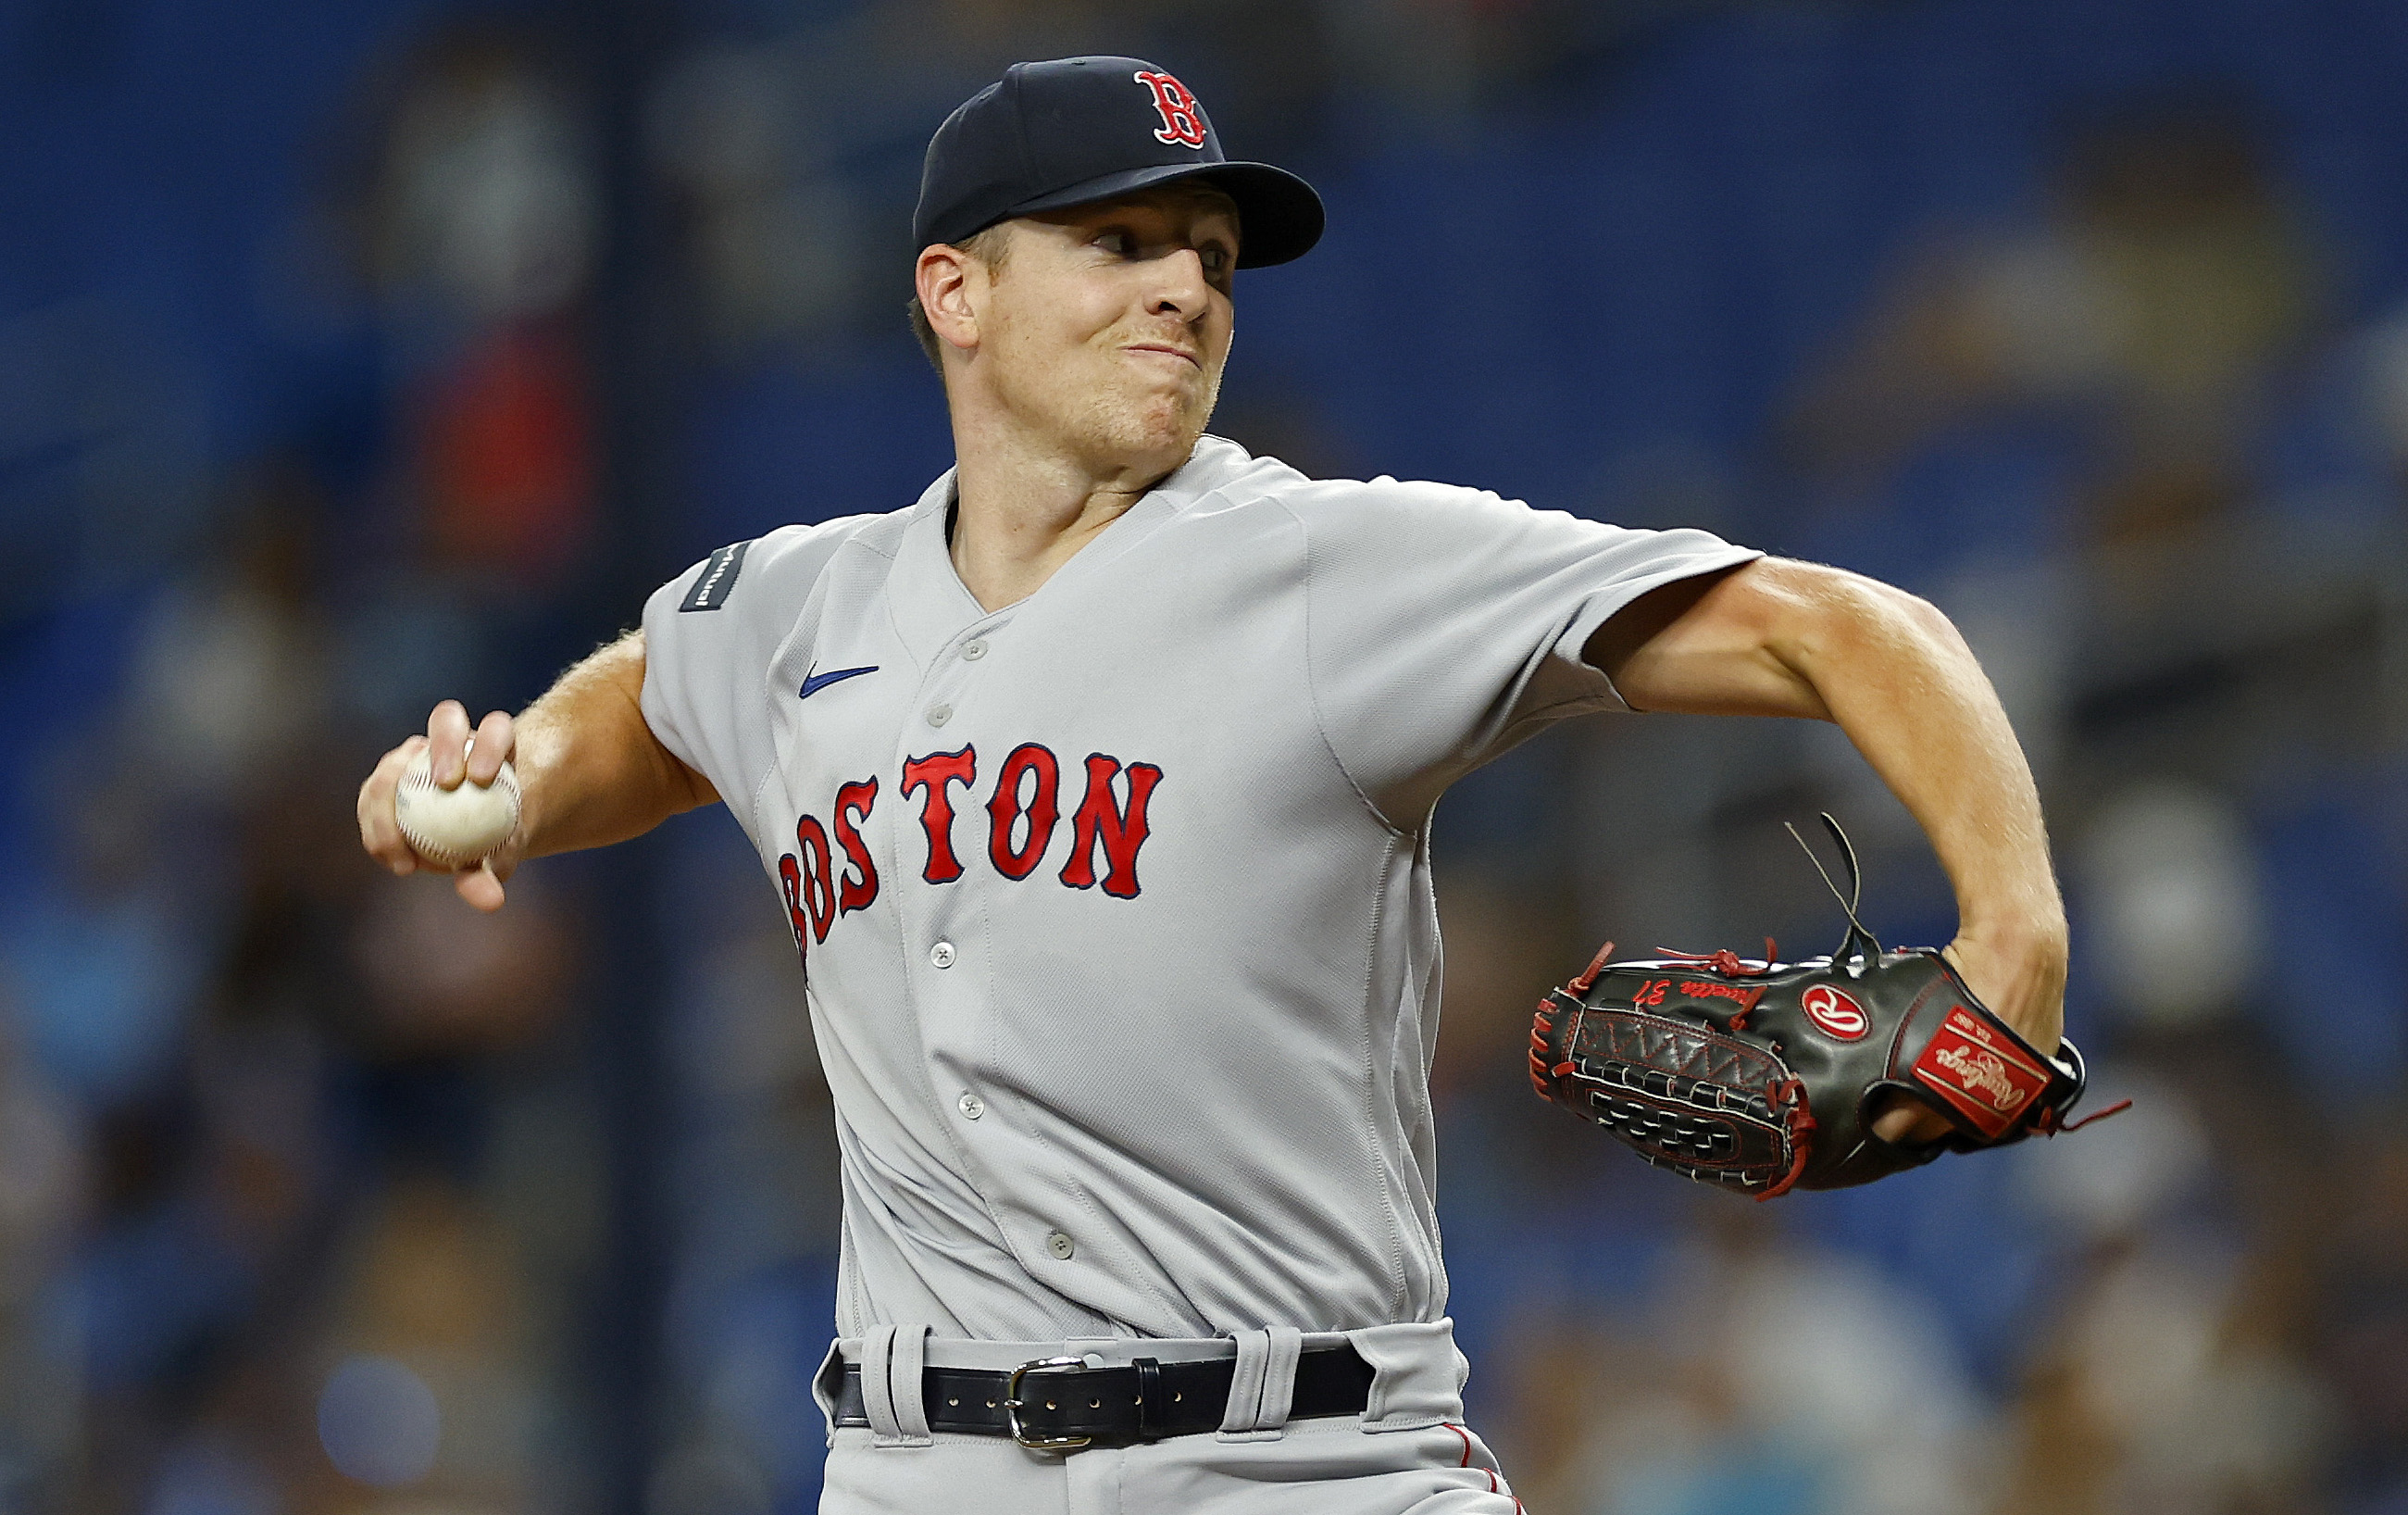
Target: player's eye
(1118,243)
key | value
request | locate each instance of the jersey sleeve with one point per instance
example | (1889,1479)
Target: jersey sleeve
(1446,625)
(710,637)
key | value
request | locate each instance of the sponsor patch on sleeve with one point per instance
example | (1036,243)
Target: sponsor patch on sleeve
(1986,1077)
(717,579)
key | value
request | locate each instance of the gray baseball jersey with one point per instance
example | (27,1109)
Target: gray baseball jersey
(1115,905)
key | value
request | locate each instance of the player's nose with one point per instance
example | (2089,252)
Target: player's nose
(1179,285)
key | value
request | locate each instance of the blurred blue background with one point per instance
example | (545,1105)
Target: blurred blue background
(359,354)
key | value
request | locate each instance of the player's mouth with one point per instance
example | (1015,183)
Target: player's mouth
(1165,348)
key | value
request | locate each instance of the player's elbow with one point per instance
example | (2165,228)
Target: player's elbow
(1818,597)
(1909,625)
(1913,613)
(1827,624)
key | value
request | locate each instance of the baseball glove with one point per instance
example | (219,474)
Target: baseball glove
(1764,1076)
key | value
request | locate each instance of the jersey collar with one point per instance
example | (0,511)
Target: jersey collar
(931,605)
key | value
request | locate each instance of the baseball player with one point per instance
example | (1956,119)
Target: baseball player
(1097,784)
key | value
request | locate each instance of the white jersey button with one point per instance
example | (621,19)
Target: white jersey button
(939,714)
(1060,1245)
(974,649)
(941,954)
(973,1106)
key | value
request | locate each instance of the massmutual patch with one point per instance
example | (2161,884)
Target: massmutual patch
(717,580)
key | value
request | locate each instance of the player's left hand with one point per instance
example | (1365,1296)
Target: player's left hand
(2024,987)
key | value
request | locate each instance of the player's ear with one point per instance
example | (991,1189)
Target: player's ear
(945,277)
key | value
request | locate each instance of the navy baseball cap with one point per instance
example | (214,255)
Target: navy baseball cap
(1072,131)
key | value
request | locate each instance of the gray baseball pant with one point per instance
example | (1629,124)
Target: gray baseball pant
(1409,1453)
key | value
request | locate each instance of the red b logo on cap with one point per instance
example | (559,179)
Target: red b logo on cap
(1183,120)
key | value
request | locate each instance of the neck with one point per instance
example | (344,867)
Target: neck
(1026,506)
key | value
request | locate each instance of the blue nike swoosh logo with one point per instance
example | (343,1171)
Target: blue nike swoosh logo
(814,683)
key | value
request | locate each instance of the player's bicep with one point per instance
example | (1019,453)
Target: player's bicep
(678,784)
(1721,644)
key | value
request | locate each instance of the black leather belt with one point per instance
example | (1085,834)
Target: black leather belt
(1060,1402)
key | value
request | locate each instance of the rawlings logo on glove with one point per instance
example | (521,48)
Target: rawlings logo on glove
(1834,1014)
(1765,1077)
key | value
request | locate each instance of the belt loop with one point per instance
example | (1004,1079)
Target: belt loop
(1279,1377)
(908,1379)
(876,1390)
(1262,1388)
(828,1383)
(1417,1374)
(1150,1407)
(892,1361)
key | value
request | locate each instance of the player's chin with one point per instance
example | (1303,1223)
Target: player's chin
(1167,392)
(1159,423)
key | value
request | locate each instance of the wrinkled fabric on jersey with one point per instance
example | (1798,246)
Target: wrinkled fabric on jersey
(1319,1469)
(1115,905)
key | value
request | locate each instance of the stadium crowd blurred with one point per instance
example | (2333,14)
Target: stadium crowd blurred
(353,359)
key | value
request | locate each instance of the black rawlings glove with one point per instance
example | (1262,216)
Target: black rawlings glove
(1765,1077)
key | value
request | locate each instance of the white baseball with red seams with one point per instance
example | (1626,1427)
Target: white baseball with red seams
(454,827)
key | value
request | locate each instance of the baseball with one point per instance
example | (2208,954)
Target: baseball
(454,827)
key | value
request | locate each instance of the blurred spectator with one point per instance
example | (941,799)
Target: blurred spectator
(44,1175)
(1770,1378)
(230,677)
(426,1387)
(757,1183)
(481,235)
(2168,276)
(2359,1316)
(2175,1383)
(439,983)
(770,233)
(2170,884)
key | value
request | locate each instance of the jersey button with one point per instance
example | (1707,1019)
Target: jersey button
(939,714)
(1059,1244)
(941,954)
(974,649)
(973,1106)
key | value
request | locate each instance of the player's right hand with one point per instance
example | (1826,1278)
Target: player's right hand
(452,761)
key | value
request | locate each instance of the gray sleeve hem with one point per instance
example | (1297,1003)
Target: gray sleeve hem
(649,703)
(1602,608)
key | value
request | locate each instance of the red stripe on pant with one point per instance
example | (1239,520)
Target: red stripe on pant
(1466,1435)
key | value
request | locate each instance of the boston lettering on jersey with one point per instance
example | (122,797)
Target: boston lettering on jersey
(826,878)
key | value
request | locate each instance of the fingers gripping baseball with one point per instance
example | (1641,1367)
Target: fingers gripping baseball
(447,801)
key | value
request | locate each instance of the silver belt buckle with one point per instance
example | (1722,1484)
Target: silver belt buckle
(1012,1403)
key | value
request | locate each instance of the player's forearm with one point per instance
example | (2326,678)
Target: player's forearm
(590,769)
(1894,674)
